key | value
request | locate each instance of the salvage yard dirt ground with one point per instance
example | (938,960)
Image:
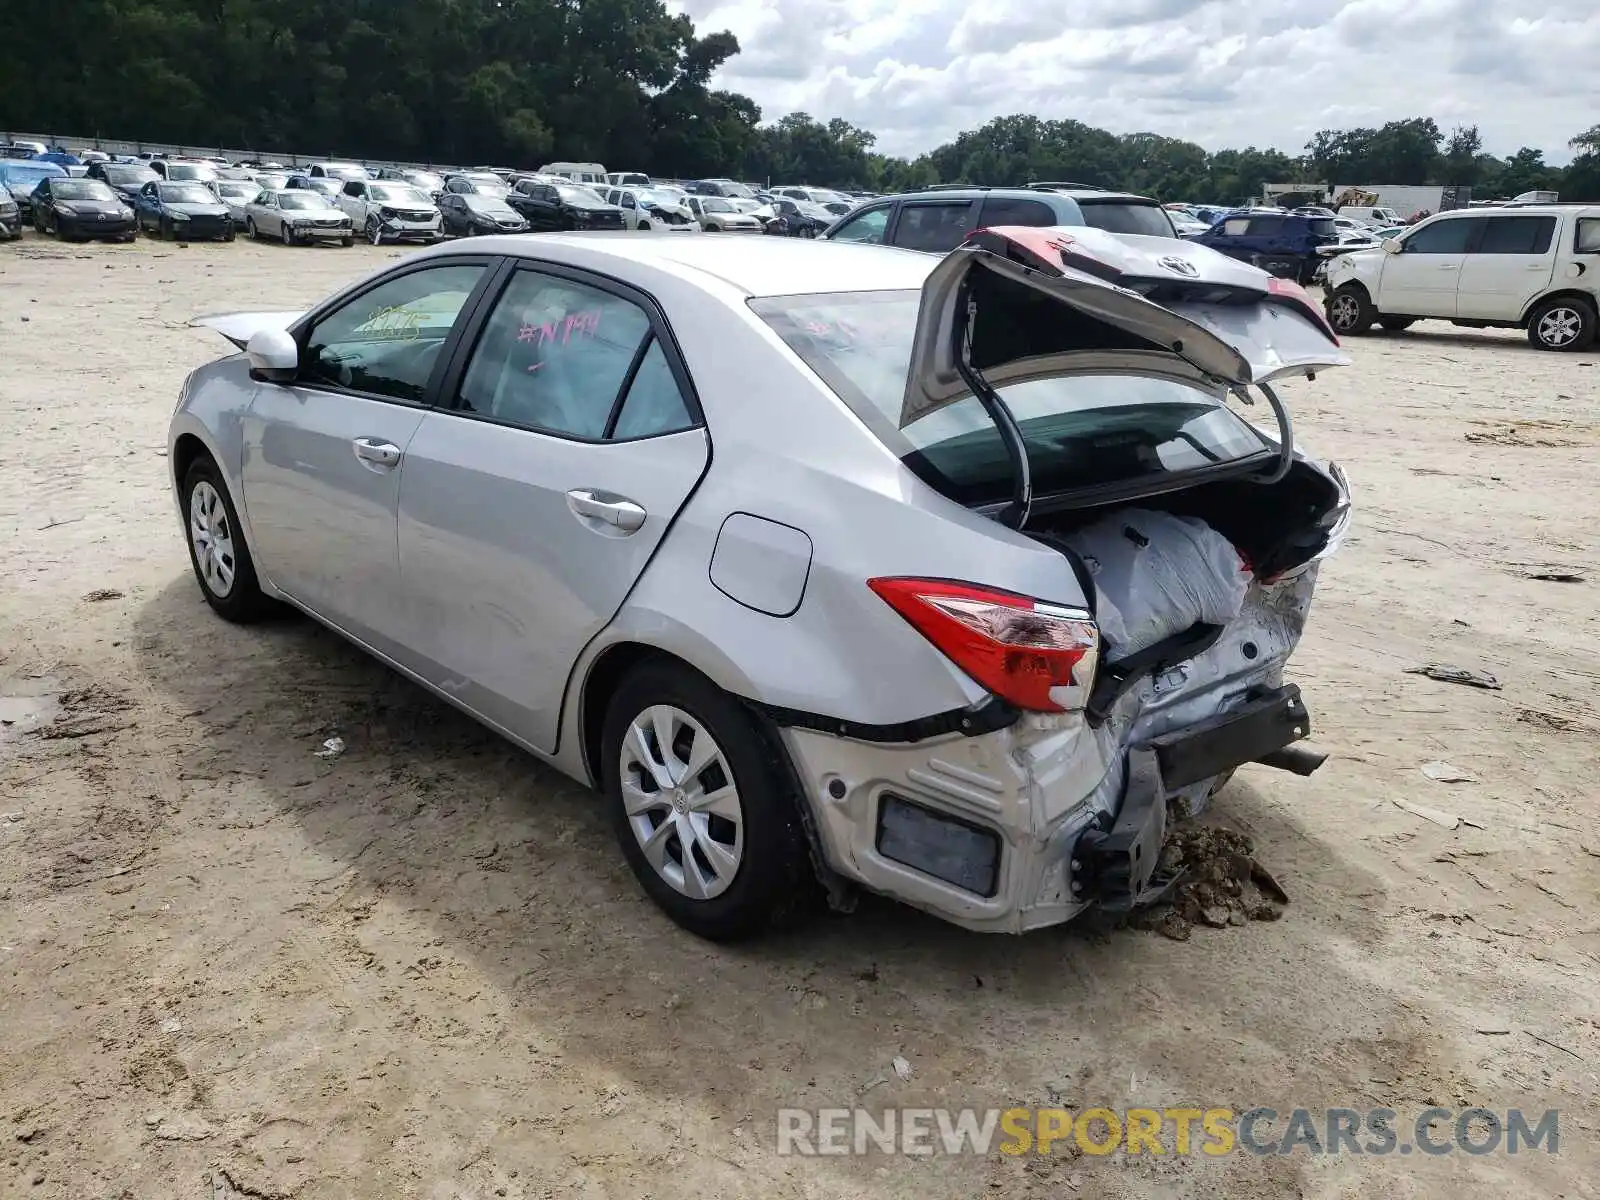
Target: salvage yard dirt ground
(229,967)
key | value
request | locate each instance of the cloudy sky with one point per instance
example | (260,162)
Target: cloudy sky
(1218,72)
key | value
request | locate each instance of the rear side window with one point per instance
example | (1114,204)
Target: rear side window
(556,356)
(1451,236)
(1587,240)
(1119,216)
(1008,210)
(1517,235)
(1265,226)
(934,227)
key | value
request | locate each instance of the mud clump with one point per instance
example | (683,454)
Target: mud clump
(1219,883)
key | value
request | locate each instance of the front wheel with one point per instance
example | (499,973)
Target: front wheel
(701,807)
(347,242)
(164,230)
(1350,310)
(1396,324)
(286,234)
(250,230)
(1561,324)
(221,560)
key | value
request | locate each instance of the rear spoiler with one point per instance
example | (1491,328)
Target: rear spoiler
(238,328)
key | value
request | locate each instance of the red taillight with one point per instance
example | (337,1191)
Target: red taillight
(1035,655)
(1290,292)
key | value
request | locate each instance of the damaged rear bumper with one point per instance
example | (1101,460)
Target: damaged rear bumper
(982,825)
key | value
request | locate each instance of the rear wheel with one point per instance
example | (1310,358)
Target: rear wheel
(701,806)
(1350,310)
(221,560)
(1561,324)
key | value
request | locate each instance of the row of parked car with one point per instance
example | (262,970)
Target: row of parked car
(205,198)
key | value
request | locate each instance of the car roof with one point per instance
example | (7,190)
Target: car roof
(753,266)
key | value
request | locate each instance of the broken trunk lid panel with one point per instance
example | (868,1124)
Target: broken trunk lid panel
(239,327)
(1220,325)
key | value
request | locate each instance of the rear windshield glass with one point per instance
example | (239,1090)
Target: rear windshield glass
(1082,432)
(1122,217)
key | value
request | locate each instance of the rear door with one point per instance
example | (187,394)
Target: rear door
(530,507)
(323,456)
(1513,262)
(1422,279)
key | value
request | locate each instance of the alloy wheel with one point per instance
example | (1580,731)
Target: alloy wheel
(1560,326)
(1344,311)
(681,803)
(212,537)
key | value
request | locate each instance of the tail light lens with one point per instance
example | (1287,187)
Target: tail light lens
(1037,656)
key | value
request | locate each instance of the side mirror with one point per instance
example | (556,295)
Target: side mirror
(1392,245)
(274,356)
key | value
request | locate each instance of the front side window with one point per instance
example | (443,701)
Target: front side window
(1081,432)
(1517,235)
(1450,236)
(868,228)
(934,227)
(386,341)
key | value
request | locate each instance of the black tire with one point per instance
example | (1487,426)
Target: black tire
(164,230)
(773,882)
(243,601)
(1396,324)
(229,236)
(1561,323)
(250,230)
(285,234)
(347,242)
(1349,310)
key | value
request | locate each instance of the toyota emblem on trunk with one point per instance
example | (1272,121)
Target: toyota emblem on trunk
(1179,266)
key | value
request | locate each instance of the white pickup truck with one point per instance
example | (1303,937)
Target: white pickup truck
(1527,266)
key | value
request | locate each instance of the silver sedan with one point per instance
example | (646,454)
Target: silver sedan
(297,216)
(829,566)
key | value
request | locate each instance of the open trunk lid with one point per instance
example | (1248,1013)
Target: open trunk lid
(1118,303)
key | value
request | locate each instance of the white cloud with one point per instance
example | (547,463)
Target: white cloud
(1218,72)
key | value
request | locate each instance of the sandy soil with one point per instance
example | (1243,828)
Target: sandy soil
(229,967)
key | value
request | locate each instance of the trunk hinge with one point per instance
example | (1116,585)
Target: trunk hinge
(1016,513)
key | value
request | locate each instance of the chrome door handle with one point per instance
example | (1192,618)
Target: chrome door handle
(1447,266)
(378,454)
(607,508)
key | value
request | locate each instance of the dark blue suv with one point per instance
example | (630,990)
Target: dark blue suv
(1276,240)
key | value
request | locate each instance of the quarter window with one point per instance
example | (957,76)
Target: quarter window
(554,356)
(1587,240)
(1265,226)
(935,227)
(1517,235)
(387,340)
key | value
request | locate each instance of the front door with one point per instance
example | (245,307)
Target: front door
(1421,280)
(1512,264)
(323,456)
(528,511)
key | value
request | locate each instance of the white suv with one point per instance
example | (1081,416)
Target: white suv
(1531,266)
(381,209)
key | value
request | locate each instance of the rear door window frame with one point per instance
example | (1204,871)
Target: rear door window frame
(446,393)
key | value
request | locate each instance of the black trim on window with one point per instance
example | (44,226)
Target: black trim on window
(621,398)
(472,333)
